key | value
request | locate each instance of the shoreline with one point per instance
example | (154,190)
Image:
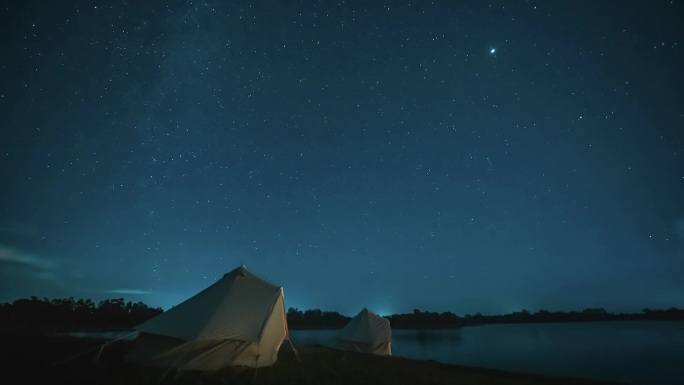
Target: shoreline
(76,360)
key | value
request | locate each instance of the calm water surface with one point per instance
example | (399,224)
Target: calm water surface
(634,352)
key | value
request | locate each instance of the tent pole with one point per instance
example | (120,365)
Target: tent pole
(294,350)
(256,364)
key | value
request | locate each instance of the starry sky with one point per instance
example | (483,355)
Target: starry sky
(461,156)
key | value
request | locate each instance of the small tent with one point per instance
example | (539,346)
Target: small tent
(366,333)
(239,320)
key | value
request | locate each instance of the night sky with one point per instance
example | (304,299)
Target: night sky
(462,156)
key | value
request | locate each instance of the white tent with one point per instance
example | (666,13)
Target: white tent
(239,320)
(366,333)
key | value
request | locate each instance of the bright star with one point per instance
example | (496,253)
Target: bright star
(492,51)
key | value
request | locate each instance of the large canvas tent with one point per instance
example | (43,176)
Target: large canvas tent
(239,320)
(367,332)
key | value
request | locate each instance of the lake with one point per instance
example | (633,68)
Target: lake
(634,352)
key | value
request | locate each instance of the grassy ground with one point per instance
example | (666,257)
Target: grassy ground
(43,360)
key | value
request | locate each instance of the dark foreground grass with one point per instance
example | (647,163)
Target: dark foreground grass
(47,360)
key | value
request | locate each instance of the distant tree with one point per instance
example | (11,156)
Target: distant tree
(69,314)
(315,319)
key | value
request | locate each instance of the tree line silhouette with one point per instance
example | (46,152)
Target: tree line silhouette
(71,315)
(315,319)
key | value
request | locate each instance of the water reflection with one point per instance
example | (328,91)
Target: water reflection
(423,338)
(325,337)
(128,335)
(632,352)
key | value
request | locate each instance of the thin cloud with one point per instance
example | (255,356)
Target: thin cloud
(129,291)
(21,257)
(40,268)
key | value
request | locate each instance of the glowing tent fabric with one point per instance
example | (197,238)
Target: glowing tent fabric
(366,333)
(239,320)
